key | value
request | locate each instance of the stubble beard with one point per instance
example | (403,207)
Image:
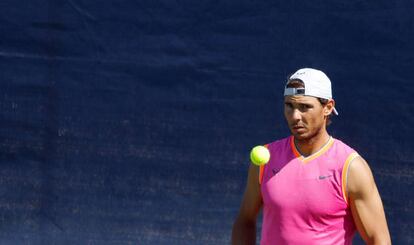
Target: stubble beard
(307,136)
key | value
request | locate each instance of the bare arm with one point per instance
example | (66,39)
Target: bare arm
(244,228)
(366,204)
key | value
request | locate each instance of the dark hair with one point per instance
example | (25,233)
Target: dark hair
(323,101)
(297,83)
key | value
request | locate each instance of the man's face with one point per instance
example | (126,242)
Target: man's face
(305,116)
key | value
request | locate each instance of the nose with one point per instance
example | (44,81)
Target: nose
(296,115)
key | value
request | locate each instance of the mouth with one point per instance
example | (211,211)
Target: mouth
(298,128)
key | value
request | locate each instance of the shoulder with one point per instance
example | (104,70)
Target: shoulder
(360,177)
(279,142)
(343,146)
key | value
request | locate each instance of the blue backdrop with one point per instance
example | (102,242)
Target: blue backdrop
(130,122)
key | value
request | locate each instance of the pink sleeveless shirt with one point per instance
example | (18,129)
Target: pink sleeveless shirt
(304,198)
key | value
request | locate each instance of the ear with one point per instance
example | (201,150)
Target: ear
(328,108)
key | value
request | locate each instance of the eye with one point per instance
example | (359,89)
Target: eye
(289,105)
(305,107)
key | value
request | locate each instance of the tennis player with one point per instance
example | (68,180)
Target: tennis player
(315,189)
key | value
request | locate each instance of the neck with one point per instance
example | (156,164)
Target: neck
(309,146)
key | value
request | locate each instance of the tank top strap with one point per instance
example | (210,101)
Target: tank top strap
(261,170)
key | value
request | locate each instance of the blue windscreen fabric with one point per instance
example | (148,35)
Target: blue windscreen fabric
(131,122)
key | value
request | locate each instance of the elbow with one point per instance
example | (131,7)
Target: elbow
(380,239)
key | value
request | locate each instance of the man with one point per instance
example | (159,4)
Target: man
(315,189)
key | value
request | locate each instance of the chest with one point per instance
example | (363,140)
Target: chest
(313,188)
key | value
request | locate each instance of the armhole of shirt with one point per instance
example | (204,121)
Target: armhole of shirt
(261,170)
(345,170)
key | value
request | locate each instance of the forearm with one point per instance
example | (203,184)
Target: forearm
(244,233)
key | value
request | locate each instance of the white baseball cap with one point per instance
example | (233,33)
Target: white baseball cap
(317,84)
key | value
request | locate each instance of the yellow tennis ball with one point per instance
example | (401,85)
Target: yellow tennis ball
(259,155)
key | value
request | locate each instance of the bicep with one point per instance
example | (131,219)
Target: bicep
(365,201)
(252,198)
